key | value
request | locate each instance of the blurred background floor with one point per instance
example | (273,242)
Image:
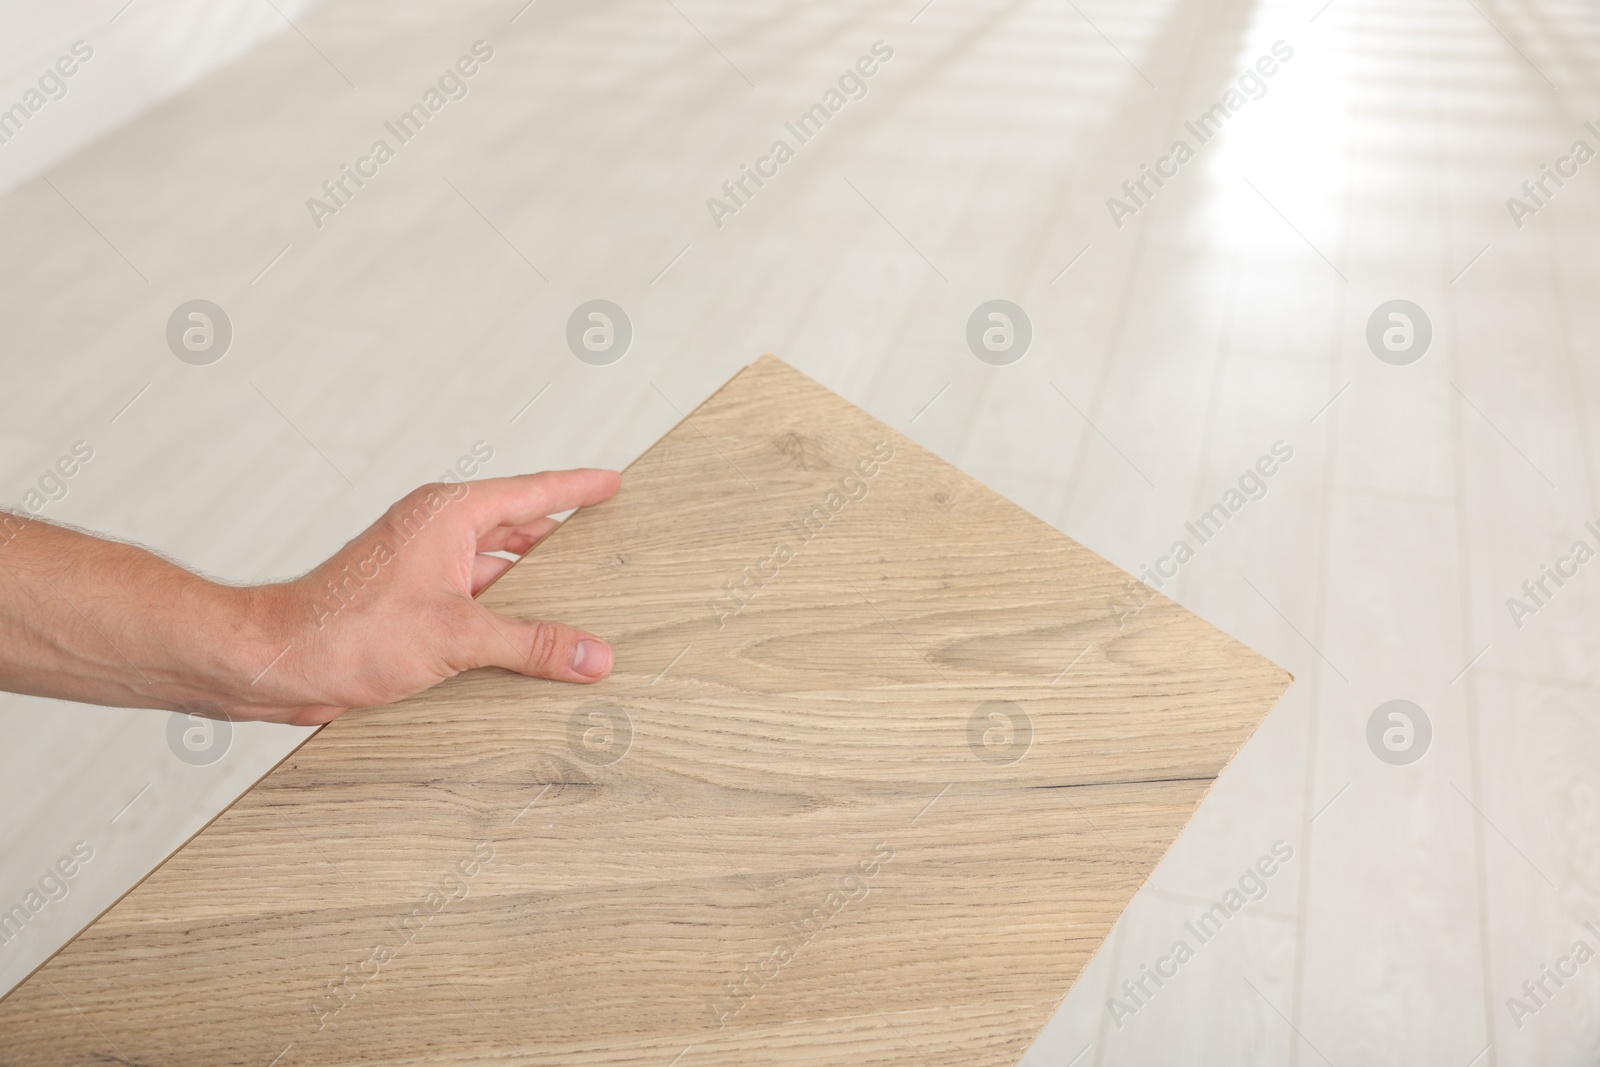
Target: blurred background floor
(1236,306)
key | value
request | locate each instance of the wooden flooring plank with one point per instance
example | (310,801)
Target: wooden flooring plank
(879,745)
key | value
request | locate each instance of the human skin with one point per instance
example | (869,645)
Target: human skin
(387,616)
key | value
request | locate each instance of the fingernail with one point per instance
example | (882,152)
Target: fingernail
(591,658)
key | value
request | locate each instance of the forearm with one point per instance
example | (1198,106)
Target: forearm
(87,619)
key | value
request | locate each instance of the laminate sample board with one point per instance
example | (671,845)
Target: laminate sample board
(882,760)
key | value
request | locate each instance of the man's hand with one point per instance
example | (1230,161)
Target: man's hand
(391,614)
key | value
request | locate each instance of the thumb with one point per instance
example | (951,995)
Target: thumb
(535,647)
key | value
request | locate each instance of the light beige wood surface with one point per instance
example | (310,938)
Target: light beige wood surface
(790,833)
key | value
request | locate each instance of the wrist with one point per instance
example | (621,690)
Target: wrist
(258,671)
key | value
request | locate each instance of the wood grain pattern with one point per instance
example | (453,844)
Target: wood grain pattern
(788,830)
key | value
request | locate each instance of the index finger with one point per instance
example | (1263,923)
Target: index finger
(523,498)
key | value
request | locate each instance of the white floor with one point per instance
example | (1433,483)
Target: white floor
(1228,313)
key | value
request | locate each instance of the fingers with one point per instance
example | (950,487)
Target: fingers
(518,539)
(526,498)
(485,569)
(535,647)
